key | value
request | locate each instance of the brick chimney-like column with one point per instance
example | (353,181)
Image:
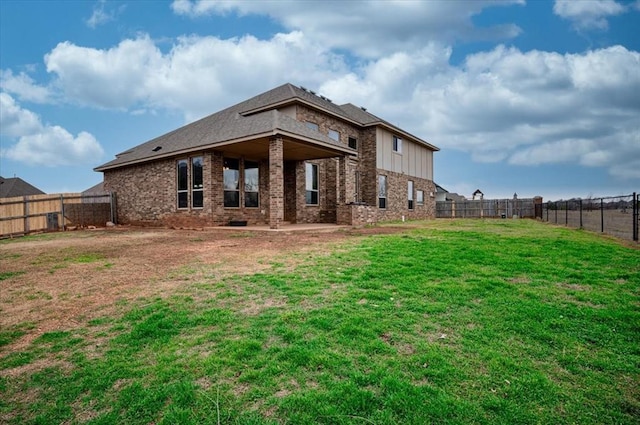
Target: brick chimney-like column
(276,183)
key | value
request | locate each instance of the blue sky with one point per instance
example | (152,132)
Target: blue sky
(528,97)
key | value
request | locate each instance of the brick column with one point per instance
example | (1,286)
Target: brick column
(342,180)
(276,183)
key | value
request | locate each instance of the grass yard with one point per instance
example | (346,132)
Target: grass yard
(447,322)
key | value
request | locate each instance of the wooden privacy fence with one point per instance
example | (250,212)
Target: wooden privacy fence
(490,208)
(27,214)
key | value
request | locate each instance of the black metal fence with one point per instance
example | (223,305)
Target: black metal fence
(489,208)
(615,215)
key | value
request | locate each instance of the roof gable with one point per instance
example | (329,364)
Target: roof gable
(15,186)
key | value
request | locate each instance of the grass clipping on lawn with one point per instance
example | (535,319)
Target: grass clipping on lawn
(462,321)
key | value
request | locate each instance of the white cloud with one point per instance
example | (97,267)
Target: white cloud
(101,15)
(23,86)
(197,76)
(370,28)
(15,121)
(524,108)
(40,144)
(586,15)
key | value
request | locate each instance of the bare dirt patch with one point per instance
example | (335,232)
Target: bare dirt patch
(60,281)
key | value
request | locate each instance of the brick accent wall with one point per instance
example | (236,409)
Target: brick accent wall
(397,199)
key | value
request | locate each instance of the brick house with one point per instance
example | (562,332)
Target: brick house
(286,155)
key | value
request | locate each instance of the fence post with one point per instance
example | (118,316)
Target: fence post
(62,210)
(566,213)
(636,216)
(602,215)
(25,227)
(580,213)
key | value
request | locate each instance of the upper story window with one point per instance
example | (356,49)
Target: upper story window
(353,143)
(311,172)
(231,182)
(251,184)
(312,125)
(397,144)
(335,135)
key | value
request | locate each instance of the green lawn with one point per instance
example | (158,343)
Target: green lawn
(495,322)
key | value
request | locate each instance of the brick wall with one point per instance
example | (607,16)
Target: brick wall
(397,199)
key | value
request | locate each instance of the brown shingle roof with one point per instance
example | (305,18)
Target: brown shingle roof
(15,186)
(253,117)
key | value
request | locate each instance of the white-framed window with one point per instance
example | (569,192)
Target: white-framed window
(182,171)
(397,144)
(251,184)
(420,197)
(190,168)
(197,183)
(410,194)
(231,182)
(382,191)
(335,135)
(311,172)
(312,125)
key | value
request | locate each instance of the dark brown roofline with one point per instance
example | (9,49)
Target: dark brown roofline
(214,146)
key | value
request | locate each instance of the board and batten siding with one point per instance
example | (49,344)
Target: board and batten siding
(415,160)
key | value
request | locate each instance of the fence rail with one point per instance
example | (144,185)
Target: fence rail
(615,215)
(27,214)
(489,208)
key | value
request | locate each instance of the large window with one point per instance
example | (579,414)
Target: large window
(420,197)
(197,186)
(397,144)
(231,182)
(183,183)
(334,135)
(410,194)
(311,172)
(382,191)
(251,184)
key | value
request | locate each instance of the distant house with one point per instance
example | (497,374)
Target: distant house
(443,194)
(286,155)
(15,186)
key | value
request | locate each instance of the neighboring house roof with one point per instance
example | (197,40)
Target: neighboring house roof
(15,186)
(98,188)
(251,119)
(449,196)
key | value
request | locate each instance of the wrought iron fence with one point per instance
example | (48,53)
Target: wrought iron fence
(614,215)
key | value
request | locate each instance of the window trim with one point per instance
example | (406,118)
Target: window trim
(382,200)
(186,189)
(193,182)
(224,189)
(244,182)
(420,197)
(397,144)
(335,132)
(316,172)
(410,197)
